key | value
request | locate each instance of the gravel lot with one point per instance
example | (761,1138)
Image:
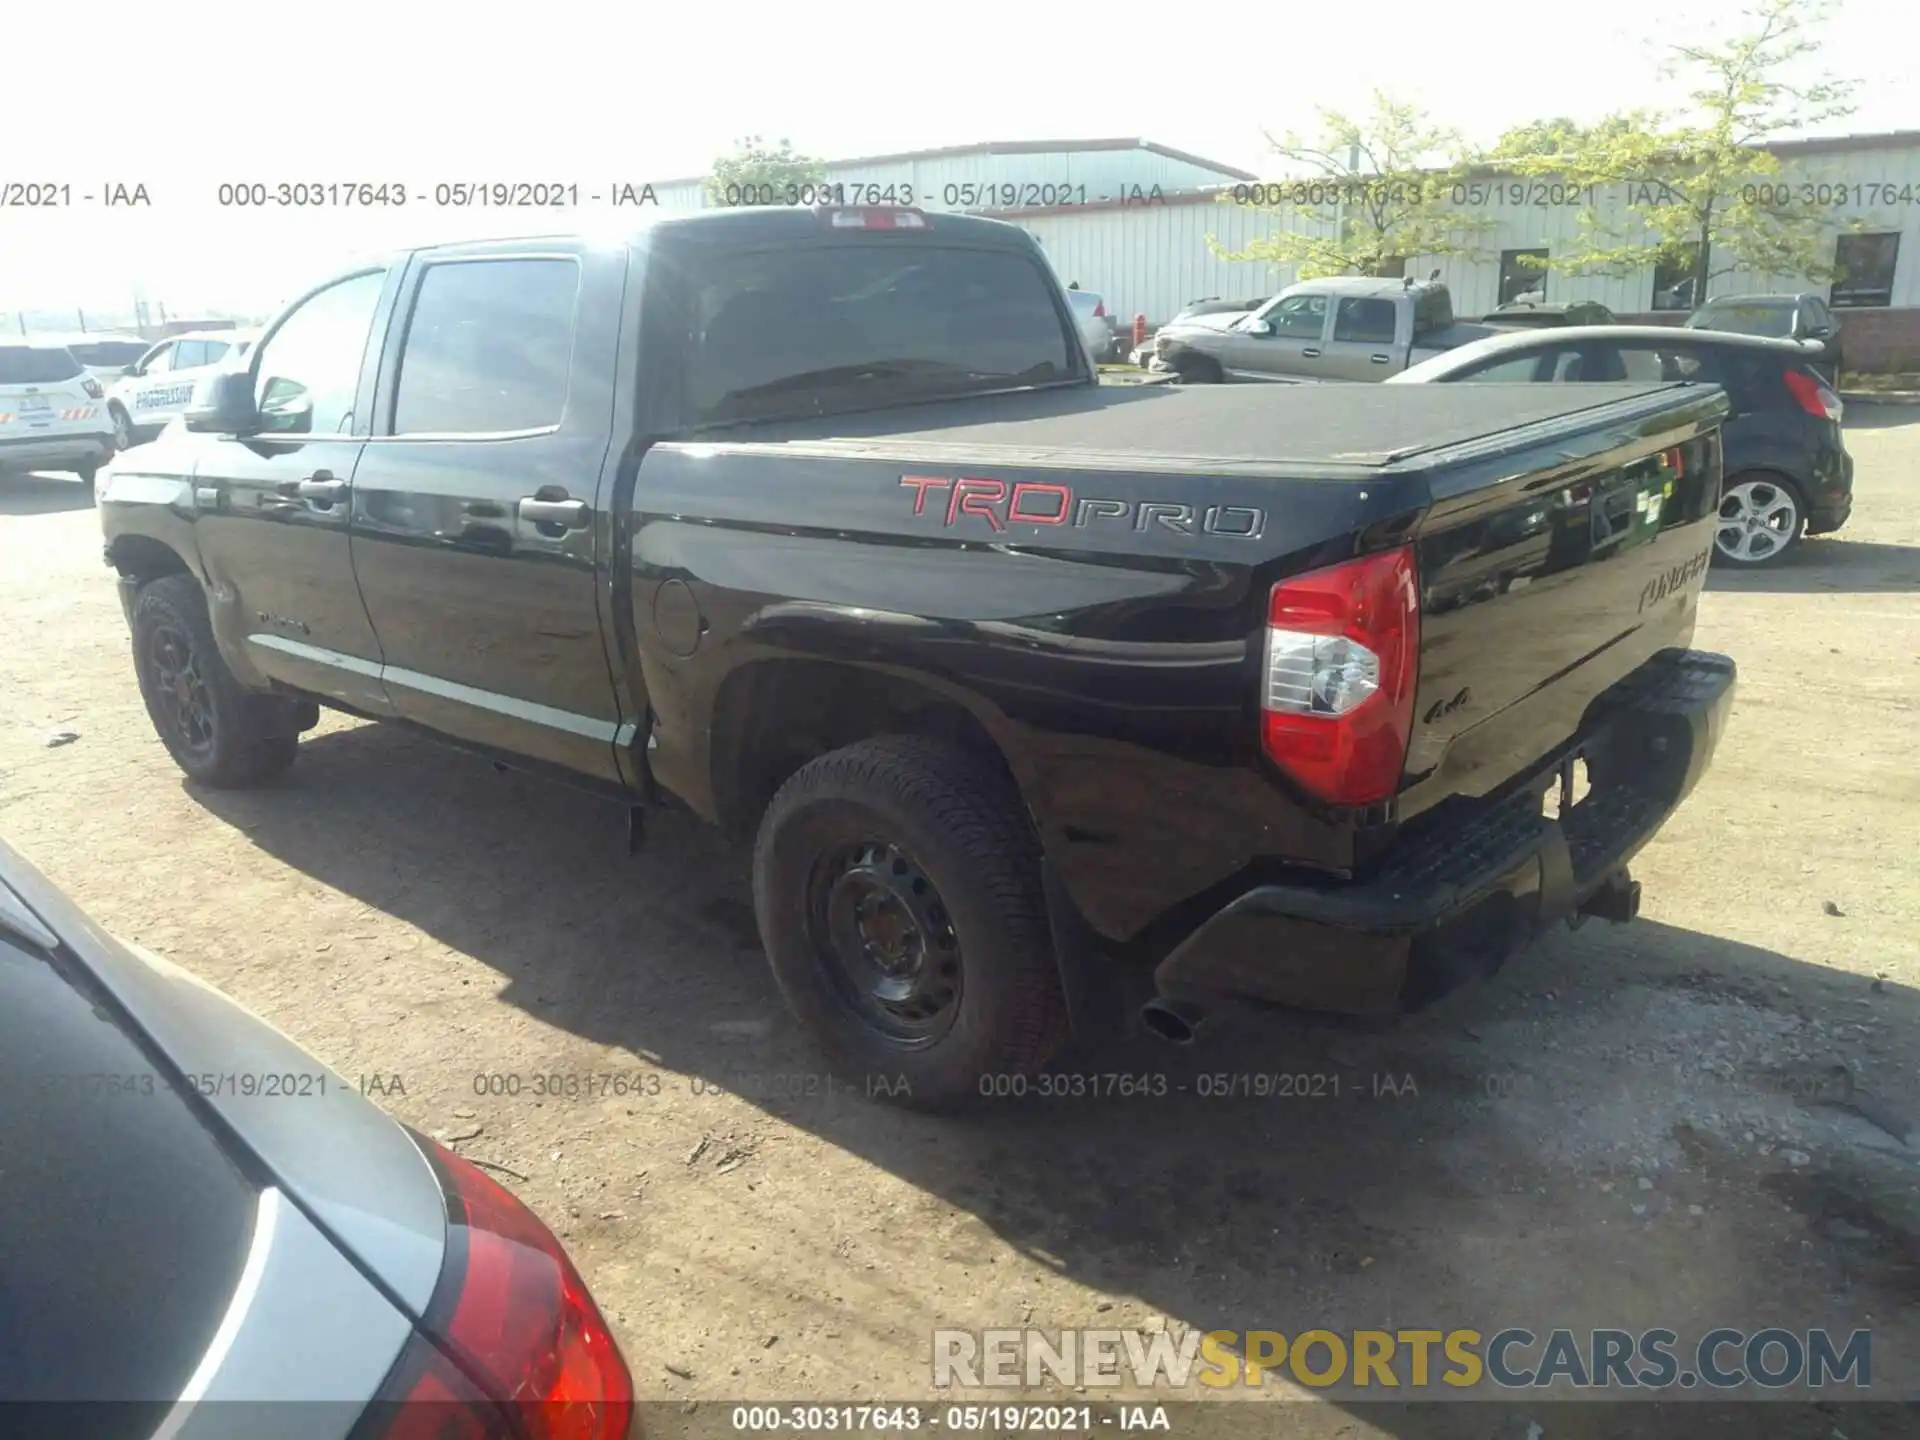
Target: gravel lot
(1631,1127)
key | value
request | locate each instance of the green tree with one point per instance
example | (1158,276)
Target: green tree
(1700,189)
(1373,192)
(757,173)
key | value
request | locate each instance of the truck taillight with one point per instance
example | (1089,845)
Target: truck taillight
(1342,658)
(1099,309)
(1814,395)
(511,1344)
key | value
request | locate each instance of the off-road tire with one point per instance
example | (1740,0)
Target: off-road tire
(961,822)
(250,739)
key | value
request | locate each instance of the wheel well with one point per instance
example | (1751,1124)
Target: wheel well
(142,558)
(771,718)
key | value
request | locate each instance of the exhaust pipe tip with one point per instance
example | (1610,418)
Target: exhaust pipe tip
(1175,1021)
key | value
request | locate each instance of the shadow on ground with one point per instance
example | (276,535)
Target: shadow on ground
(1827,563)
(1347,1210)
(43,494)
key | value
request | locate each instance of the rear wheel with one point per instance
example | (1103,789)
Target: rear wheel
(897,887)
(216,731)
(1761,518)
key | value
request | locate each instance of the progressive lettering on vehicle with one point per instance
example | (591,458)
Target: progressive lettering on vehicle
(816,521)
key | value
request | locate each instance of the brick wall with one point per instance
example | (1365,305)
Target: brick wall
(1874,341)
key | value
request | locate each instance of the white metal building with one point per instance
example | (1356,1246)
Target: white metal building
(1131,220)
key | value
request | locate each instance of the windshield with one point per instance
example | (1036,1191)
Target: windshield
(1772,320)
(36,364)
(108,353)
(841,326)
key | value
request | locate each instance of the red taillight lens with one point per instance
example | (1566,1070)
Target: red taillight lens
(1813,395)
(1342,656)
(1099,309)
(525,1340)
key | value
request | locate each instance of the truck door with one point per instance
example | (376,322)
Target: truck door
(1291,346)
(1363,345)
(479,505)
(270,509)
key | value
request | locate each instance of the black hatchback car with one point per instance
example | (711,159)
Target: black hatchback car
(1781,317)
(1787,471)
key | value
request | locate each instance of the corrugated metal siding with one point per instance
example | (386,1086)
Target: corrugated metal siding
(1154,259)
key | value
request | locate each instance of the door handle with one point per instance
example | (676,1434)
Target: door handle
(1310,353)
(322,489)
(570,514)
(1381,359)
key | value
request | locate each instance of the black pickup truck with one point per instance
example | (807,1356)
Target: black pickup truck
(1048,706)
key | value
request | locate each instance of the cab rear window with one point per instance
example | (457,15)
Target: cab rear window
(37,364)
(802,330)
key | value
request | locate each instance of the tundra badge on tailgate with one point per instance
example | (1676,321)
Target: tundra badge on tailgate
(1038,502)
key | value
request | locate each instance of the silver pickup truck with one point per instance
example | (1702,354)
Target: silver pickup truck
(1343,328)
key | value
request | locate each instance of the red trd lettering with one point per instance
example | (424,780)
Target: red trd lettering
(1036,487)
(922,484)
(977,497)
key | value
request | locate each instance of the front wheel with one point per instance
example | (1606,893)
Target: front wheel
(122,428)
(1761,518)
(216,731)
(897,886)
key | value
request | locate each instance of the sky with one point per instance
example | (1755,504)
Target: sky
(179,99)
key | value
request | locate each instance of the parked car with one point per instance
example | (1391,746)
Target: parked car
(1343,328)
(1046,704)
(156,387)
(53,414)
(1786,466)
(1803,317)
(1096,326)
(203,1221)
(1530,314)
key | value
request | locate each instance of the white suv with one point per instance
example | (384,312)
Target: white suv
(53,414)
(159,384)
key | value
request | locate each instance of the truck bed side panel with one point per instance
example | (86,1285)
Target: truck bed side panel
(1112,660)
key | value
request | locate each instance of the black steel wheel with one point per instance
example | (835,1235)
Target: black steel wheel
(185,715)
(897,886)
(889,939)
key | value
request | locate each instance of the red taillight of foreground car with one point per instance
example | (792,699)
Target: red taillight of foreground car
(513,1344)
(1342,658)
(1814,395)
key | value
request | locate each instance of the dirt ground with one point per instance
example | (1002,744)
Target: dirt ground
(1630,1127)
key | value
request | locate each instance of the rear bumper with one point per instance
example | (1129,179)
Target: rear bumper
(55,452)
(1832,499)
(1455,900)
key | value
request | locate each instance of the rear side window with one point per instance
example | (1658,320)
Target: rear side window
(1369,322)
(1433,311)
(488,348)
(36,365)
(189,354)
(799,330)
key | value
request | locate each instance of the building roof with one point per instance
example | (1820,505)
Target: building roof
(1020,147)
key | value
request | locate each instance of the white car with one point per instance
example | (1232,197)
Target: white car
(53,414)
(158,385)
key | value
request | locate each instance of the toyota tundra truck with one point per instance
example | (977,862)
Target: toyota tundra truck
(1047,707)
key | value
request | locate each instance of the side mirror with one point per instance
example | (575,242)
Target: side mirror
(1259,327)
(133,369)
(223,405)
